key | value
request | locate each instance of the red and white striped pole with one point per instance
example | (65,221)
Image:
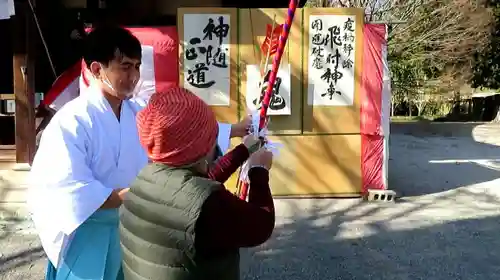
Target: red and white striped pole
(272,76)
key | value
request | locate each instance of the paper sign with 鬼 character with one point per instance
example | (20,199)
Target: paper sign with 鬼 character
(331,69)
(206,57)
(257,85)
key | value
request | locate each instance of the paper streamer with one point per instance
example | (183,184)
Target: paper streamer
(263,133)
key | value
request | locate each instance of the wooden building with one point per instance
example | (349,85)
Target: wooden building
(31,70)
(40,45)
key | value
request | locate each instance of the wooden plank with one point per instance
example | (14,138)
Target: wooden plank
(252,27)
(24,40)
(172,7)
(8,147)
(7,155)
(315,166)
(333,119)
(7,96)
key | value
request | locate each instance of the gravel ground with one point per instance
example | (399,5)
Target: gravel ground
(445,227)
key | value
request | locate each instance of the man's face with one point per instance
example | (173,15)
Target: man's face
(120,77)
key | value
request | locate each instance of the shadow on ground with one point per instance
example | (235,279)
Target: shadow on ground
(19,259)
(21,255)
(427,158)
(345,244)
(450,234)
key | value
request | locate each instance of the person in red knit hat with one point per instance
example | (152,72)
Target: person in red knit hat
(178,221)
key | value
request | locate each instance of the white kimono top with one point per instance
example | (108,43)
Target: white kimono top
(84,153)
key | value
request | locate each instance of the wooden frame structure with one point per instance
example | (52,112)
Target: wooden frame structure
(23,47)
(25,41)
(24,83)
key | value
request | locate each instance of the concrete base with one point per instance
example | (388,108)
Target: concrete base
(21,167)
(380,195)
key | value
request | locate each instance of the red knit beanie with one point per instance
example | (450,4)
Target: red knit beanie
(177,128)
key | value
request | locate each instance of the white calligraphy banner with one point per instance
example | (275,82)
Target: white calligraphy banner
(206,57)
(280,103)
(331,69)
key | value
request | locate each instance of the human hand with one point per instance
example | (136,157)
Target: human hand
(242,128)
(261,158)
(122,192)
(252,143)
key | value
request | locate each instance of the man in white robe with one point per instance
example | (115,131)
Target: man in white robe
(88,155)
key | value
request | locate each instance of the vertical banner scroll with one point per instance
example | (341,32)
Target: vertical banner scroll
(259,32)
(331,68)
(208,57)
(333,54)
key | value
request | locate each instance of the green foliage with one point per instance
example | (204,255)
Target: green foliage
(404,78)
(487,63)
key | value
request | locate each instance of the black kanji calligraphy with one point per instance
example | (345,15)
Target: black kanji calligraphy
(317,25)
(209,29)
(220,58)
(331,91)
(336,75)
(191,53)
(327,76)
(207,51)
(348,37)
(318,51)
(349,25)
(348,49)
(318,39)
(330,76)
(334,36)
(347,64)
(220,31)
(317,63)
(216,57)
(197,77)
(277,102)
(333,58)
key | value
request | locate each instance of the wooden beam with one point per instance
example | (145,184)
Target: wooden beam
(388,22)
(7,96)
(24,47)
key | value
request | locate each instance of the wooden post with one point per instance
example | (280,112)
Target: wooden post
(24,47)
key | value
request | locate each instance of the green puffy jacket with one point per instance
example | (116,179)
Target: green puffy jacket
(157,228)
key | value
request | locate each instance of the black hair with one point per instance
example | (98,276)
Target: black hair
(102,43)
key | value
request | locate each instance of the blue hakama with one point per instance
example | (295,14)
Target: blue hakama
(94,252)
